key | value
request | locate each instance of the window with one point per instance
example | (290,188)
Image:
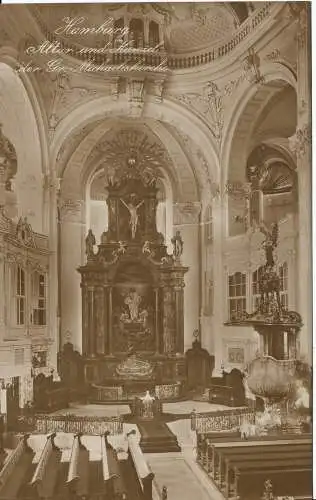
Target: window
(38,299)
(283,273)
(20,296)
(237,295)
(256,276)
(153,34)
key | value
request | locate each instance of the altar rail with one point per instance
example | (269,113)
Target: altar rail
(221,420)
(45,424)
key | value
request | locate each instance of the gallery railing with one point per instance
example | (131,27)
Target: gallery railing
(146,58)
(221,420)
(45,424)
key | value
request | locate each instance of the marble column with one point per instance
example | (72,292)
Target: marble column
(169,323)
(300,144)
(187,221)
(52,192)
(99,319)
(72,211)
(220,306)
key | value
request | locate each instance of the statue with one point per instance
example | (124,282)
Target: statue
(90,242)
(270,242)
(146,248)
(133,300)
(177,245)
(133,222)
(120,250)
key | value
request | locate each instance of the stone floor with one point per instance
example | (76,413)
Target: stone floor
(178,474)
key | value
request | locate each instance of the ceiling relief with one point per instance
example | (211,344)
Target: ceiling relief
(208,105)
(195,25)
(128,151)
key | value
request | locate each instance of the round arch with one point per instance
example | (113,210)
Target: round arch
(167,111)
(251,95)
(18,106)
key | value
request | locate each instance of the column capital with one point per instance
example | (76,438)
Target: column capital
(186,213)
(71,210)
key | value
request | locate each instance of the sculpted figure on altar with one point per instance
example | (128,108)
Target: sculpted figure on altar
(177,242)
(90,242)
(133,300)
(134,217)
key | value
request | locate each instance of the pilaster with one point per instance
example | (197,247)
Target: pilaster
(300,144)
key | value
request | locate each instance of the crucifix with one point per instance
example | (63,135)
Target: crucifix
(133,221)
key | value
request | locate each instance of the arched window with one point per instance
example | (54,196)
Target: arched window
(153,34)
(136,33)
(236,295)
(97,208)
(20,296)
(39,286)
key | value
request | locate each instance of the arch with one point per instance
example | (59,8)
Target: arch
(167,112)
(251,99)
(16,109)
(181,177)
(248,93)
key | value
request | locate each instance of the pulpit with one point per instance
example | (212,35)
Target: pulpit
(132,291)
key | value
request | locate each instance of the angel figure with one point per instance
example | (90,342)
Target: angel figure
(146,248)
(270,241)
(134,217)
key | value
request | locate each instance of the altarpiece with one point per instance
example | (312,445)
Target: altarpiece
(132,290)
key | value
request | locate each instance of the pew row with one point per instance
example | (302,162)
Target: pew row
(236,467)
(78,472)
(14,471)
(46,473)
(136,458)
(112,477)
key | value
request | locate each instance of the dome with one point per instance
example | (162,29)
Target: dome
(187,27)
(199,25)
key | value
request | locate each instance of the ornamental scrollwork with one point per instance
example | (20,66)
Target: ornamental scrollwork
(301,141)
(130,155)
(209,105)
(8,159)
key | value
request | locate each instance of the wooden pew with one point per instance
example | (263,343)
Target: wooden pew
(145,476)
(112,477)
(45,475)
(15,468)
(231,460)
(78,472)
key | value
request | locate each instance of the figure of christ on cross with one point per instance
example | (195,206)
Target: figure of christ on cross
(133,221)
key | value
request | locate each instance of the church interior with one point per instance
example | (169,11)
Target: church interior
(156,251)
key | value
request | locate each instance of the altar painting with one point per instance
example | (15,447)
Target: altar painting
(133,318)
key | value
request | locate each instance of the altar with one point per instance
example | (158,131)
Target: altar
(132,293)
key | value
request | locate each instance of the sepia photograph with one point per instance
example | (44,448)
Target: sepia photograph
(156,278)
